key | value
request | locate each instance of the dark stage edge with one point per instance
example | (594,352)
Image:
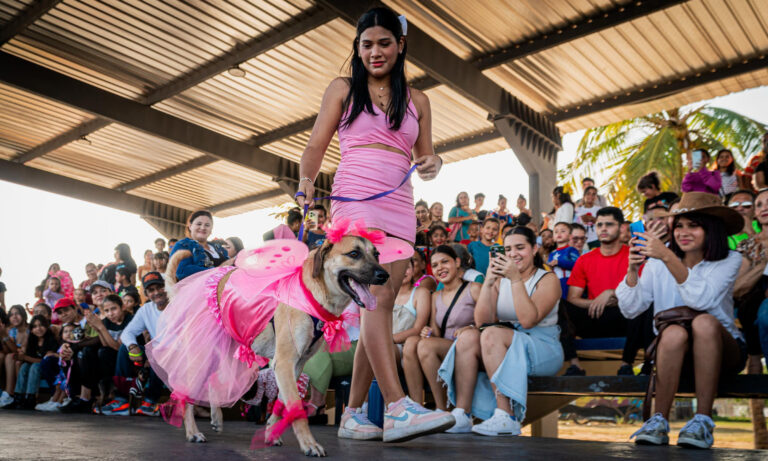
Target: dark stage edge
(33,435)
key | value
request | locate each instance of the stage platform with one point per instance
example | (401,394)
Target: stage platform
(33,435)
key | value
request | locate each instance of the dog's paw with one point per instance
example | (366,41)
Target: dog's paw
(196,438)
(277,443)
(314,449)
(217,427)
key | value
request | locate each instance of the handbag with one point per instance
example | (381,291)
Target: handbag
(682,316)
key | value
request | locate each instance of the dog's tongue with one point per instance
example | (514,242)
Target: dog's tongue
(365,295)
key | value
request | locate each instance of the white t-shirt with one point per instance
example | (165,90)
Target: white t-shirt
(592,211)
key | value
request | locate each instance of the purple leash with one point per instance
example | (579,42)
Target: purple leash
(340,198)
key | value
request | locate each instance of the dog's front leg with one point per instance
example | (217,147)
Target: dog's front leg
(193,433)
(217,419)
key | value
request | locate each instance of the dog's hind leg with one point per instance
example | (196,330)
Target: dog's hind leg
(193,433)
(217,419)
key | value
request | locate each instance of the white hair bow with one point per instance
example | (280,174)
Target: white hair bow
(403,24)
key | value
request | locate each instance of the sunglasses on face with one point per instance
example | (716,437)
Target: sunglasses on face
(740,204)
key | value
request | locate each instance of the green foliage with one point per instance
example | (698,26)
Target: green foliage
(619,154)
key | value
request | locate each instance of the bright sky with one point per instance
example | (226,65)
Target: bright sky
(39,228)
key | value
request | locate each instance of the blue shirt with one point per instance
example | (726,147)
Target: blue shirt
(481,254)
(566,257)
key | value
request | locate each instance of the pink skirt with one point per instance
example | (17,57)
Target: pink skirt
(192,353)
(367,171)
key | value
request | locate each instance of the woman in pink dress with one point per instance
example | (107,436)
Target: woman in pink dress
(383,127)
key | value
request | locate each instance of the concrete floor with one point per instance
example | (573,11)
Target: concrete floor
(33,435)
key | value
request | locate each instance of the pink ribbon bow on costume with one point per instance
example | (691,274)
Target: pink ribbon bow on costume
(336,335)
(173,409)
(245,354)
(287,414)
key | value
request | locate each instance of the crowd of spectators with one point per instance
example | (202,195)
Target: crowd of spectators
(491,296)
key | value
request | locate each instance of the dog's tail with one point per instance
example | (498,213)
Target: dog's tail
(170,271)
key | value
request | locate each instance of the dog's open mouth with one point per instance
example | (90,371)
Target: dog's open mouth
(359,292)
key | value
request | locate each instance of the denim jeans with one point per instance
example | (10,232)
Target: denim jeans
(29,379)
(762,326)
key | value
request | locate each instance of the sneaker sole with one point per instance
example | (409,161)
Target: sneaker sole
(494,434)
(407,433)
(686,442)
(647,440)
(357,435)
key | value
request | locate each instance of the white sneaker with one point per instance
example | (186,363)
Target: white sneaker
(64,402)
(44,406)
(53,407)
(5,399)
(463,422)
(356,425)
(501,423)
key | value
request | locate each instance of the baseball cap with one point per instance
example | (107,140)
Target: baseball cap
(152,278)
(64,302)
(103,284)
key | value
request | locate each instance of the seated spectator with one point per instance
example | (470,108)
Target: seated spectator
(315,233)
(596,315)
(130,351)
(563,207)
(159,245)
(546,243)
(171,243)
(436,211)
(423,223)
(474,233)
(562,259)
(479,200)
(123,279)
(421,277)
(80,296)
(234,245)
(131,302)
(93,274)
(289,230)
(53,291)
(38,359)
(147,266)
(160,262)
(729,177)
(452,308)
(99,291)
(600,200)
(466,267)
(67,286)
(700,178)
(460,217)
(649,187)
(413,306)
(502,213)
(438,235)
(579,239)
(518,335)
(480,249)
(743,201)
(13,336)
(101,364)
(122,257)
(586,215)
(696,271)
(201,254)
(624,233)
(750,287)
(45,310)
(749,178)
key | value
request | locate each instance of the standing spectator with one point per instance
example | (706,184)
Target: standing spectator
(479,200)
(159,244)
(13,337)
(696,271)
(92,273)
(160,262)
(436,210)
(729,177)
(200,254)
(518,336)
(578,239)
(480,249)
(562,259)
(502,213)
(700,178)
(596,315)
(649,187)
(147,266)
(423,223)
(586,183)
(2,294)
(53,291)
(522,209)
(546,243)
(462,216)
(743,201)
(754,167)
(586,215)
(563,207)
(122,256)
(67,286)
(171,243)
(124,285)
(234,245)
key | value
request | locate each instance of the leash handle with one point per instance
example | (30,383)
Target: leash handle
(340,198)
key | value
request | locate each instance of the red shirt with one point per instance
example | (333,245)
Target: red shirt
(597,273)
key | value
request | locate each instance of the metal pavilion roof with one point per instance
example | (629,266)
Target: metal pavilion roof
(168,130)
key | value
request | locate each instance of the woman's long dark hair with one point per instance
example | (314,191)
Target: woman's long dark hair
(358,96)
(32,346)
(530,237)
(732,167)
(124,251)
(715,236)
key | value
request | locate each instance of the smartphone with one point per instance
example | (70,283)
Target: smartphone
(637,226)
(312,216)
(696,158)
(496,249)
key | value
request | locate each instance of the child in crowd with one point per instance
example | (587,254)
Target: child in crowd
(579,238)
(13,337)
(562,259)
(67,286)
(131,302)
(123,278)
(110,329)
(80,296)
(53,291)
(586,215)
(38,358)
(160,262)
(438,235)
(59,397)
(480,249)
(474,231)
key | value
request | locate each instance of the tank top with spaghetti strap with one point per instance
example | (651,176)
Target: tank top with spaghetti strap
(463,312)
(505,305)
(374,128)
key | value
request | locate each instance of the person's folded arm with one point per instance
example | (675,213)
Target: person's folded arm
(706,290)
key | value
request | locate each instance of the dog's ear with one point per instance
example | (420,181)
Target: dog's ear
(319,260)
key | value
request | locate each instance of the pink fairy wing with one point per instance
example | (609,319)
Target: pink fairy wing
(274,258)
(393,249)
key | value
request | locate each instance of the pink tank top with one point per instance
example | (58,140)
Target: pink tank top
(462,314)
(374,128)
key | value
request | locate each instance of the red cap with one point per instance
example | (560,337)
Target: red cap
(64,302)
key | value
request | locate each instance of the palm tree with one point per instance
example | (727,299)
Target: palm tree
(620,153)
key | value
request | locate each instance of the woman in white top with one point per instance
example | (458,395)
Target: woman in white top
(563,207)
(697,271)
(727,167)
(411,312)
(517,312)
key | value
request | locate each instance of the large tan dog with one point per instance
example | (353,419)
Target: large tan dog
(328,272)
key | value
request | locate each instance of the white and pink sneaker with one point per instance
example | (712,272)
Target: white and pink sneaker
(406,420)
(356,425)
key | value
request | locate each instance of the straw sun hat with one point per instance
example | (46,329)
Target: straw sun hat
(709,204)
